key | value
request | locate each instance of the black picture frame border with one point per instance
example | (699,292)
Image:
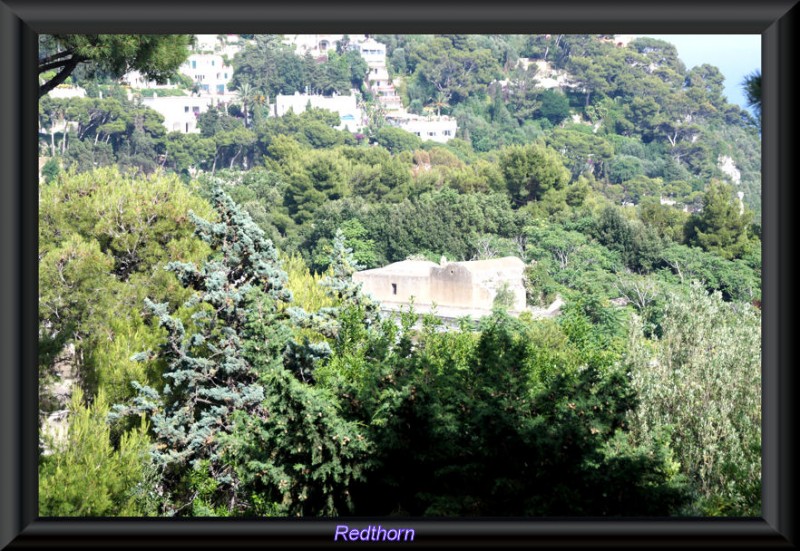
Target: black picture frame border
(22,20)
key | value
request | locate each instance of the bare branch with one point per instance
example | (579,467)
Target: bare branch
(61,76)
(54,65)
(57,55)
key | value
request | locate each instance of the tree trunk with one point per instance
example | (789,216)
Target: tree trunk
(66,70)
(235,157)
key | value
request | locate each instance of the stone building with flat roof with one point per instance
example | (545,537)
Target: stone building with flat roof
(469,285)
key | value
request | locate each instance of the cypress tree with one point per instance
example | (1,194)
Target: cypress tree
(209,376)
(235,433)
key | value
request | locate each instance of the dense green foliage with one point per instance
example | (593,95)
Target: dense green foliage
(155,56)
(90,477)
(103,239)
(701,383)
(271,67)
(206,289)
(504,424)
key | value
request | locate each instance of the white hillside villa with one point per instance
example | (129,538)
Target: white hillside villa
(373,52)
(222,44)
(210,72)
(181,112)
(351,117)
(381,86)
(206,65)
(208,69)
(317,45)
(438,129)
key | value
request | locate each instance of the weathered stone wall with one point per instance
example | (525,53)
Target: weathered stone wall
(486,291)
(451,285)
(466,285)
(380,286)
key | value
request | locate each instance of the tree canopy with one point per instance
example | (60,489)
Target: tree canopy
(155,56)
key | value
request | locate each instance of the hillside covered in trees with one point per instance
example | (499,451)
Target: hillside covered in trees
(197,288)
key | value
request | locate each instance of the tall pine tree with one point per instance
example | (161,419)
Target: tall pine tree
(722,226)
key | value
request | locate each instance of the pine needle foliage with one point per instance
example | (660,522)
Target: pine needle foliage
(88,476)
(228,398)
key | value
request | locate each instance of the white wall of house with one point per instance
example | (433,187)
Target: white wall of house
(135,79)
(202,66)
(318,45)
(467,285)
(64,91)
(206,42)
(181,112)
(209,71)
(438,129)
(314,44)
(373,52)
(350,115)
(378,76)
